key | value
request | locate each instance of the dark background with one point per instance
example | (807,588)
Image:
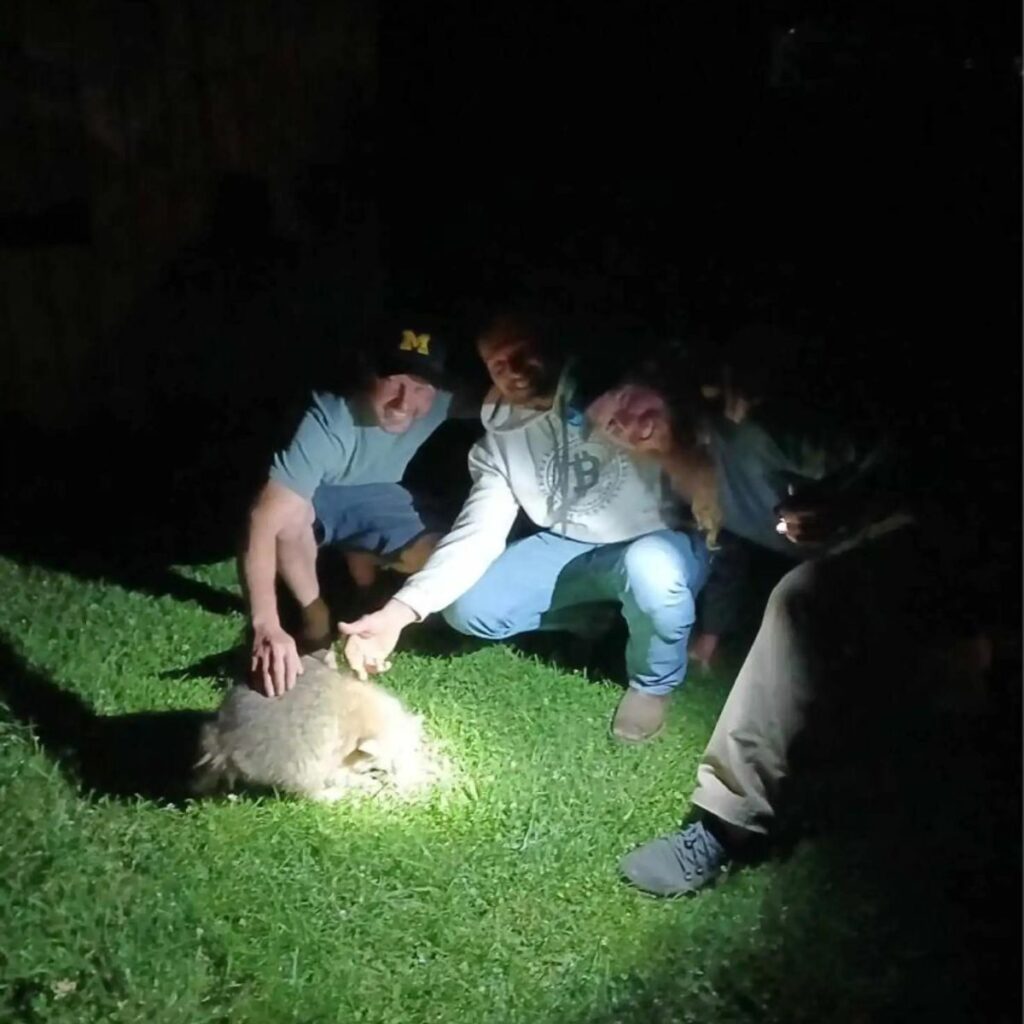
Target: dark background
(851,168)
(203,203)
(202,206)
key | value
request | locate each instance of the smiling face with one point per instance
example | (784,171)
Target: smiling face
(396,402)
(633,417)
(521,372)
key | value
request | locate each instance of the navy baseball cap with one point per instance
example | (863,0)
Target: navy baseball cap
(411,347)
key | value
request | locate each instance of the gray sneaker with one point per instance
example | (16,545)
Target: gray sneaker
(680,863)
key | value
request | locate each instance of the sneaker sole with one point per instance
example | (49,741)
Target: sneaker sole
(631,741)
(685,894)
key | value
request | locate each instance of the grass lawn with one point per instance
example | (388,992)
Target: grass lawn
(495,898)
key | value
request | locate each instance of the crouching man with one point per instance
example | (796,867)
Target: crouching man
(337,482)
(604,536)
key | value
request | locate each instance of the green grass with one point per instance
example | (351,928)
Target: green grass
(493,899)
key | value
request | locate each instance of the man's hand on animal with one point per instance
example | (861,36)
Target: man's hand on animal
(275,661)
(373,637)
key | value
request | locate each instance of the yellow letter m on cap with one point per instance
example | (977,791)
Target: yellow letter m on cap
(412,342)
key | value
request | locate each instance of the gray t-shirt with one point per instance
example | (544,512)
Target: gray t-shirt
(331,447)
(757,462)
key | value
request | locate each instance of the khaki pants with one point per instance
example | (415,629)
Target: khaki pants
(836,623)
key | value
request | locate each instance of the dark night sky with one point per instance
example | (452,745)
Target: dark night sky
(652,156)
(654,159)
(655,123)
(653,162)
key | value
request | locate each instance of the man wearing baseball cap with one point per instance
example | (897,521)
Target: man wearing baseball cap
(338,482)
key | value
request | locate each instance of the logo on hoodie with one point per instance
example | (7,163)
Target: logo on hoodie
(582,478)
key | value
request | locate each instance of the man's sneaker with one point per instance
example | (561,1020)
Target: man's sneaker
(640,716)
(677,864)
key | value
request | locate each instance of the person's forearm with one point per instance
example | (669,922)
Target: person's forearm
(476,539)
(401,614)
(260,566)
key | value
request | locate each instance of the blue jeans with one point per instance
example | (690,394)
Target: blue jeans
(547,582)
(382,518)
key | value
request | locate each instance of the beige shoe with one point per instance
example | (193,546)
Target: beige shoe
(640,716)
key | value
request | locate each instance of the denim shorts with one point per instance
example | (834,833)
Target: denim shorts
(381,518)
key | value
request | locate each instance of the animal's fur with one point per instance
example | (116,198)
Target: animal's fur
(329,734)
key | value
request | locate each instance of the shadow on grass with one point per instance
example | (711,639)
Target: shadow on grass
(147,754)
(225,667)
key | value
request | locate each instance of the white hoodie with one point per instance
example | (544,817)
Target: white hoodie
(576,485)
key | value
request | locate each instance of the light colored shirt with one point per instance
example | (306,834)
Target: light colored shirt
(332,447)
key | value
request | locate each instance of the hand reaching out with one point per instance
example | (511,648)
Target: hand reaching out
(372,638)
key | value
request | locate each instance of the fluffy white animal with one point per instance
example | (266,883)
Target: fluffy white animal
(328,735)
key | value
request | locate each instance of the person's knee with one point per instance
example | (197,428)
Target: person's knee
(655,572)
(472,618)
(792,594)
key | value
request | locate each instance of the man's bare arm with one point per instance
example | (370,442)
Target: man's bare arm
(277,509)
